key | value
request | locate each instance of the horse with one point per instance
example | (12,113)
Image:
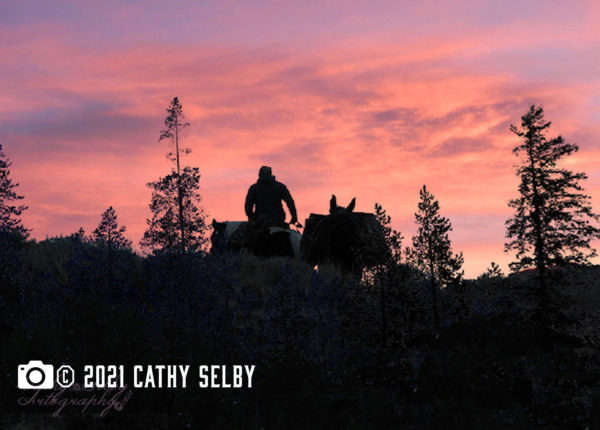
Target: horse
(236,236)
(347,240)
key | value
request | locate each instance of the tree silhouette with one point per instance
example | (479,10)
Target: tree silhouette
(393,238)
(174,123)
(165,233)
(108,233)
(432,251)
(492,272)
(383,275)
(553,222)
(9,210)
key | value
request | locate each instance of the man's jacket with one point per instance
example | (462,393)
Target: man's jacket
(266,195)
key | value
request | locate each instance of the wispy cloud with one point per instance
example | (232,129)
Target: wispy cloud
(354,100)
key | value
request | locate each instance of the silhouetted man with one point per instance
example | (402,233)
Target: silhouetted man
(263,202)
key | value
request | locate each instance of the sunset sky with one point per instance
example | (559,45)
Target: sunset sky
(362,99)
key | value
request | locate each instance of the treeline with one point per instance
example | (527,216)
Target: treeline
(411,344)
(552,226)
(337,353)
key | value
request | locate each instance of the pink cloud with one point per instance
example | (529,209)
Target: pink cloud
(373,116)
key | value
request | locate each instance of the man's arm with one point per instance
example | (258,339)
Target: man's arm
(248,207)
(289,201)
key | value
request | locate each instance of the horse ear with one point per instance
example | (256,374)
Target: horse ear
(332,203)
(350,207)
(214,223)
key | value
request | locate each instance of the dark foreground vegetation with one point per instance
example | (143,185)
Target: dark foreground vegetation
(329,353)
(406,344)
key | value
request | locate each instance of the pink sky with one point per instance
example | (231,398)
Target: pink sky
(371,101)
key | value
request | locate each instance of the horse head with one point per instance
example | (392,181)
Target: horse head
(218,239)
(335,209)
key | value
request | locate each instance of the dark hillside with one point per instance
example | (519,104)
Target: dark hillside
(324,359)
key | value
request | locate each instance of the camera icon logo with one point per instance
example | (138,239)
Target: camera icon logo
(35,375)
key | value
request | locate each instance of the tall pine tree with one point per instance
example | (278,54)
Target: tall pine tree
(10,210)
(553,222)
(432,251)
(178,223)
(175,122)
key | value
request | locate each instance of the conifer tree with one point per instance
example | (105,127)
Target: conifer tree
(384,272)
(393,238)
(175,122)
(163,233)
(109,233)
(178,222)
(553,222)
(492,272)
(10,210)
(432,251)
(109,236)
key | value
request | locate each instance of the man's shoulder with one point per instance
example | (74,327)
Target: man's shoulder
(269,184)
(252,188)
(280,185)
(273,185)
